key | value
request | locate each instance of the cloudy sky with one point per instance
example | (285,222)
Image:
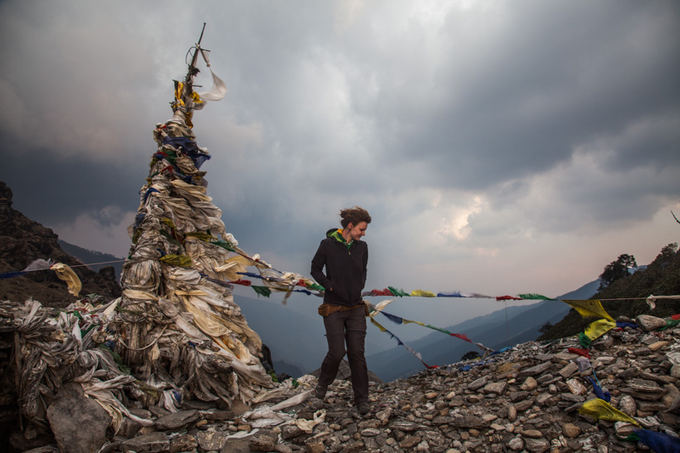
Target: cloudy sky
(501,146)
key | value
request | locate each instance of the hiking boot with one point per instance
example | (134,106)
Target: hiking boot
(363,408)
(320,392)
(315,403)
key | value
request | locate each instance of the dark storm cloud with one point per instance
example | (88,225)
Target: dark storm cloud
(54,189)
(553,77)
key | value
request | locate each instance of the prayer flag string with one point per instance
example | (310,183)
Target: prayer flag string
(399,320)
(401,343)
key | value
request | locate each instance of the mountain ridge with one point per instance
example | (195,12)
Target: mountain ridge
(23,241)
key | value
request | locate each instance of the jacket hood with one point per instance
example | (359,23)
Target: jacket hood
(336,233)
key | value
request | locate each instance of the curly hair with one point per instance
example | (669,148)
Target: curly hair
(354,216)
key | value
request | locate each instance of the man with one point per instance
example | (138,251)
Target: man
(345,257)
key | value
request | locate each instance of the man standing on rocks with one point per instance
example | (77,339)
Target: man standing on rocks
(345,257)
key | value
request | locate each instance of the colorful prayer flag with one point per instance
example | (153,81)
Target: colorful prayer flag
(422,293)
(600,409)
(589,308)
(262,290)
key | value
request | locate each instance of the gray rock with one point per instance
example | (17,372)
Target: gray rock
(409,441)
(290,431)
(627,405)
(69,413)
(495,387)
(544,398)
(148,443)
(571,430)
(178,420)
(516,443)
(468,421)
(478,383)
(211,439)
(236,446)
(521,406)
(403,425)
(183,442)
(645,385)
(671,398)
(529,384)
(576,387)
(569,369)
(546,378)
(262,441)
(649,322)
(536,445)
(535,370)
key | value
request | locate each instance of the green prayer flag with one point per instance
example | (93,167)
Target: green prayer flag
(224,245)
(315,286)
(397,292)
(533,296)
(670,323)
(262,290)
(170,153)
(584,340)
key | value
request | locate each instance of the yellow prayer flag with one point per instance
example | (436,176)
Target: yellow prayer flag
(422,293)
(589,308)
(598,328)
(65,273)
(600,409)
(378,325)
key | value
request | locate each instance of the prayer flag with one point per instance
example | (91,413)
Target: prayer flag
(658,442)
(453,294)
(262,290)
(422,293)
(176,260)
(533,296)
(65,273)
(506,297)
(589,308)
(397,292)
(598,328)
(401,343)
(600,409)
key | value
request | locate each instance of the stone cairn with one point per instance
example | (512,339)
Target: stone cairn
(175,335)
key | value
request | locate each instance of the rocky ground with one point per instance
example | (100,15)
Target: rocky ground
(525,399)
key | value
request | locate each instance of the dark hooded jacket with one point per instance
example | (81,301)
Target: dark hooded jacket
(345,264)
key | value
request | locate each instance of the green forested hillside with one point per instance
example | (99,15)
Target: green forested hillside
(660,278)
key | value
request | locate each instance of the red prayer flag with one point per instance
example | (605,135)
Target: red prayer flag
(506,297)
(579,351)
(461,336)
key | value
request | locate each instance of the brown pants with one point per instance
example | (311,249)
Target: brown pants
(346,327)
